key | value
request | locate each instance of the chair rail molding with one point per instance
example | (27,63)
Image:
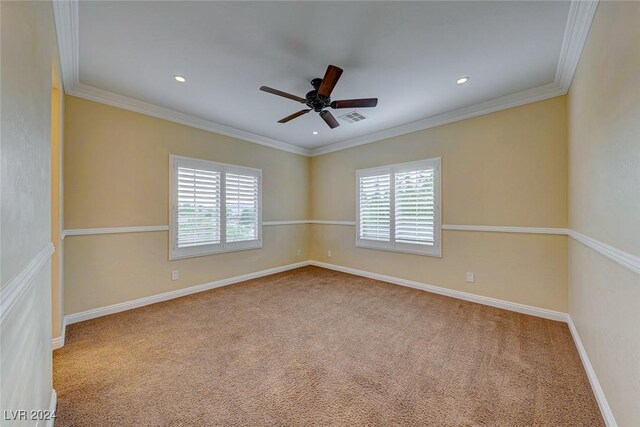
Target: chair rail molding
(113,230)
(16,287)
(507,229)
(623,258)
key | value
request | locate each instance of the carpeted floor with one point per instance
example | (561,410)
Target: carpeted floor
(318,347)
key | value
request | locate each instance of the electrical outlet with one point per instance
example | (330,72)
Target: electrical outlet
(175,275)
(299,252)
(329,253)
(471,277)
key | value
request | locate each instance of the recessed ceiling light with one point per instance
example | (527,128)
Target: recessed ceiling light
(462,80)
(315,132)
(180,79)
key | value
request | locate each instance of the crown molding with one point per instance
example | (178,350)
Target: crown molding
(581,13)
(514,100)
(65,14)
(115,100)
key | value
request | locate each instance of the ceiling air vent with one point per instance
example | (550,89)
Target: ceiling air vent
(352,117)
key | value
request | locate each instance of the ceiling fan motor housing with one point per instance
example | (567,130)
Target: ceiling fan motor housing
(313,100)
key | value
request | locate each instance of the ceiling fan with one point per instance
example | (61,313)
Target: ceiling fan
(320,98)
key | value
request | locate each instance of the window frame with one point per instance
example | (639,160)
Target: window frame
(217,248)
(392,245)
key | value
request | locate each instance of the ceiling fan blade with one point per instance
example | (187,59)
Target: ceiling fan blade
(281,93)
(328,117)
(329,80)
(293,116)
(355,103)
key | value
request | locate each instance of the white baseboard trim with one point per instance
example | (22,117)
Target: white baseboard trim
(58,342)
(493,302)
(53,403)
(506,305)
(128,305)
(605,410)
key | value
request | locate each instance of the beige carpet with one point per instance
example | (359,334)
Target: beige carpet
(317,347)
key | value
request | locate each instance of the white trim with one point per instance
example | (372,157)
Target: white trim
(113,230)
(353,223)
(623,258)
(65,13)
(15,288)
(148,228)
(500,229)
(581,15)
(579,20)
(294,222)
(506,305)
(53,403)
(605,410)
(126,103)
(58,342)
(116,308)
(514,100)
(129,305)
(501,304)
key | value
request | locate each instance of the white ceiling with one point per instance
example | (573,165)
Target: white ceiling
(409,55)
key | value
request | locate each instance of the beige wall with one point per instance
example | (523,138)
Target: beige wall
(57,107)
(604,202)
(116,174)
(28,47)
(505,169)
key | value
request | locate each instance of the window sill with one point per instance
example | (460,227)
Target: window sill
(175,257)
(436,253)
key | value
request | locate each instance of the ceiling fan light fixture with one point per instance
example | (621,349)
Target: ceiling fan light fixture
(462,80)
(319,99)
(180,79)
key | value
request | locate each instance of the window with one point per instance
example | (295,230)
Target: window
(399,207)
(215,207)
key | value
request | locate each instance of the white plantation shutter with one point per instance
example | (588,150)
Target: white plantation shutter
(415,207)
(215,207)
(241,193)
(398,207)
(375,207)
(198,207)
